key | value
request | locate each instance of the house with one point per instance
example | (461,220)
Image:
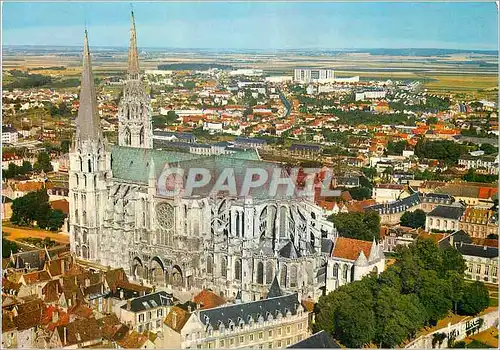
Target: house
(398,235)
(390,213)
(207,299)
(77,334)
(276,321)
(479,222)
(9,330)
(135,340)
(146,312)
(8,158)
(352,259)
(429,201)
(174,136)
(249,142)
(444,218)
(481,260)
(305,150)
(9,134)
(6,208)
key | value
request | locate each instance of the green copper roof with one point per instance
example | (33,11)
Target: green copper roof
(133,164)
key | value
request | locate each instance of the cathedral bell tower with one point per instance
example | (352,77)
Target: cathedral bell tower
(89,170)
(134,110)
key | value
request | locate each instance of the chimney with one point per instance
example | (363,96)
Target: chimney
(129,304)
(121,294)
(485,248)
(189,308)
(65,335)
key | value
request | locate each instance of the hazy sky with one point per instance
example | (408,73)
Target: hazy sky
(255,25)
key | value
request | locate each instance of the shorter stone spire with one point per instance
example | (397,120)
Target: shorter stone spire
(88,122)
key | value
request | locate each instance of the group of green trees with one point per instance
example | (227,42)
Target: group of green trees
(363,225)
(34,207)
(472,176)
(161,121)
(432,104)
(396,147)
(446,151)
(420,288)
(43,162)
(15,170)
(413,219)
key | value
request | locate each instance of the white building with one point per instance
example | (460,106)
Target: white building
(9,134)
(370,95)
(314,75)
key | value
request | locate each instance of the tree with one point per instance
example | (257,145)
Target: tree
(55,220)
(434,294)
(413,219)
(369,172)
(159,121)
(397,147)
(360,193)
(475,299)
(355,324)
(171,117)
(488,149)
(29,208)
(43,162)
(65,145)
(8,247)
(364,226)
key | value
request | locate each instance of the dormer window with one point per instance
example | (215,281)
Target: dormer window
(269,316)
(260,319)
(221,326)
(231,326)
(241,323)
(250,320)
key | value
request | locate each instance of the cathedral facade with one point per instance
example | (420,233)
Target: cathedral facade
(229,244)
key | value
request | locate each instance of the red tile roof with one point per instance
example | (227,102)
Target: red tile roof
(61,204)
(208,299)
(349,248)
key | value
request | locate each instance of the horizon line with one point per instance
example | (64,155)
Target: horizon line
(262,49)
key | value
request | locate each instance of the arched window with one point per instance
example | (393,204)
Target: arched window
(85,252)
(90,165)
(223,267)
(269,272)
(84,218)
(81,163)
(283,276)
(237,269)
(77,218)
(210,264)
(84,236)
(344,272)
(127,137)
(293,276)
(283,221)
(260,273)
(141,136)
(336,270)
(237,224)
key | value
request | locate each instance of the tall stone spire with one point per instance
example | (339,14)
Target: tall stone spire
(87,123)
(133,56)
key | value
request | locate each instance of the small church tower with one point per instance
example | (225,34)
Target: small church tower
(134,110)
(89,169)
